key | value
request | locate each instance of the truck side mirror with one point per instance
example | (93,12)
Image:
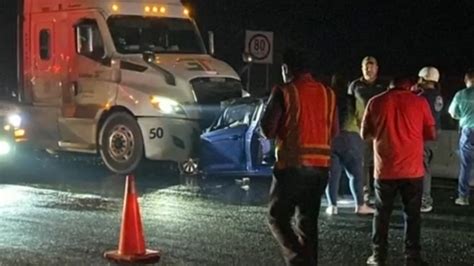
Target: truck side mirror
(148,56)
(211,43)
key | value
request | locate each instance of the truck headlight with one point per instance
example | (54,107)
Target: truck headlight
(166,105)
(5,147)
(14,120)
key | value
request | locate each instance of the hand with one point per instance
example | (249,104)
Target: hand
(416,89)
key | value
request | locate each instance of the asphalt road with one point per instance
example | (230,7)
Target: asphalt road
(67,211)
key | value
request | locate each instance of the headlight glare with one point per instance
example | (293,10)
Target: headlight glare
(166,105)
(5,147)
(14,120)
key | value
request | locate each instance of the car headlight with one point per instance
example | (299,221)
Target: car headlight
(166,105)
(5,147)
(14,120)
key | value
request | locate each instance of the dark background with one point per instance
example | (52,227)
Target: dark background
(403,35)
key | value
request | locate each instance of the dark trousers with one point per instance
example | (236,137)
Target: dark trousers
(385,191)
(297,191)
(368,165)
(347,154)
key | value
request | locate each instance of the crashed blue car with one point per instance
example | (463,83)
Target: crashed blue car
(234,144)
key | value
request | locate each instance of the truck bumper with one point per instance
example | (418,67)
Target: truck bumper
(169,139)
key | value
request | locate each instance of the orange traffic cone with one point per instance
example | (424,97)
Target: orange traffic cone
(132,243)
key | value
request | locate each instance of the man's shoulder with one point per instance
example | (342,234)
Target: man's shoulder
(356,82)
(415,100)
(395,95)
(380,85)
(318,84)
(466,92)
(383,95)
(380,99)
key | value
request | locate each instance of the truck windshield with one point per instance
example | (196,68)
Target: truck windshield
(135,34)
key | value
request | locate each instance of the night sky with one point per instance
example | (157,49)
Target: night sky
(403,35)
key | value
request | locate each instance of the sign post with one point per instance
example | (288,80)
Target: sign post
(259,45)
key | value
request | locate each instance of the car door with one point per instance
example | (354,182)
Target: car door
(223,146)
(262,150)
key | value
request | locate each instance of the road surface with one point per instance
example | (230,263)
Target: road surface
(67,211)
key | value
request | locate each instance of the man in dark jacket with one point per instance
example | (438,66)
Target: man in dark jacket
(362,90)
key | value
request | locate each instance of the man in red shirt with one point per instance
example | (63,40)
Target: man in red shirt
(398,122)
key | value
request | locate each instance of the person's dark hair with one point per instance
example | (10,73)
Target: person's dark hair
(296,59)
(470,73)
(402,82)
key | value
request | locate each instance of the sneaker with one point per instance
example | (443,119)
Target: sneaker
(462,201)
(331,210)
(426,207)
(375,260)
(364,210)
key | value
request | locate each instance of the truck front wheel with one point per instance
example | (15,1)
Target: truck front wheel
(121,143)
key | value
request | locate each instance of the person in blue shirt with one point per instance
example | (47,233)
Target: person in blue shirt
(462,109)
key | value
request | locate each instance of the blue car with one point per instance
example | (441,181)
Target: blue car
(234,144)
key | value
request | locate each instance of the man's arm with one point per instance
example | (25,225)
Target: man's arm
(429,125)
(454,108)
(359,106)
(350,89)
(367,130)
(273,114)
(335,124)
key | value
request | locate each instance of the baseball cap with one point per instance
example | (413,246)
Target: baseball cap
(429,73)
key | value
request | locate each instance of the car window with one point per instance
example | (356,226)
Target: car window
(235,115)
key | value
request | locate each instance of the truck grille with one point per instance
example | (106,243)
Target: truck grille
(210,92)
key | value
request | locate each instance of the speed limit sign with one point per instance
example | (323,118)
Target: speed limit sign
(259,44)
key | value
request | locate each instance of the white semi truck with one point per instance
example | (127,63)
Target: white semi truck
(128,79)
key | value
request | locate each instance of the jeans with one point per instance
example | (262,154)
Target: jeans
(385,193)
(427,158)
(297,191)
(466,149)
(368,164)
(347,154)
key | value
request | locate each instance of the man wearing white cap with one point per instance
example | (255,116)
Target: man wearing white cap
(428,87)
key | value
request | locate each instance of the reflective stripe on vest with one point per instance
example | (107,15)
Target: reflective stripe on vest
(291,151)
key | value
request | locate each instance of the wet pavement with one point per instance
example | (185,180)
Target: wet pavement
(67,211)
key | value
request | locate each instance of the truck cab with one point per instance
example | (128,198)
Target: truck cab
(127,79)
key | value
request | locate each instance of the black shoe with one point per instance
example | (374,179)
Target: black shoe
(375,260)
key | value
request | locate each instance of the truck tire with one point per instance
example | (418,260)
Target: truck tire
(121,143)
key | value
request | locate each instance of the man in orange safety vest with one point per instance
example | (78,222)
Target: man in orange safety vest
(300,116)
